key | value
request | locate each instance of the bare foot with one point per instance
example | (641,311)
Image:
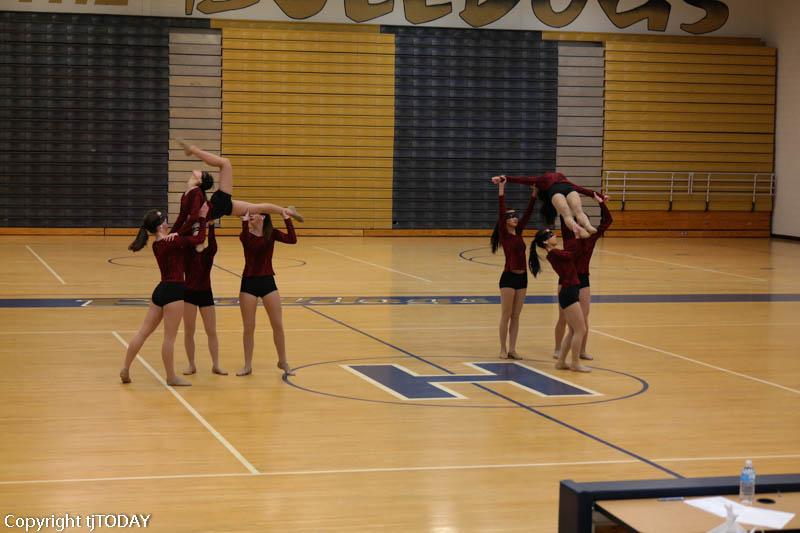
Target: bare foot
(577,367)
(187,148)
(191,369)
(586,357)
(561,365)
(295,215)
(178,381)
(555,354)
(219,371)
(245,371)
(287,370)
(591,229)
(125,375)
(503,355)
(512,354)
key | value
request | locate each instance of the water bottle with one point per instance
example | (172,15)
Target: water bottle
(747,483)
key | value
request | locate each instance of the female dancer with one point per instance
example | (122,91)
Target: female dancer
(258,282)
(198,295)
(167,299)
(514,280)
(563,262)
(222,202)
(582,267)
(560,196)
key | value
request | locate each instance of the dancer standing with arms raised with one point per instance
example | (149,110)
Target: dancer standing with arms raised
(514,280)
(258,239)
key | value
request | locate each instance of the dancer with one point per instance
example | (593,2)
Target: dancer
(582,268)
(560,196)
(514,280)
(563,262)
(198,295)
(167,298)
(258,283)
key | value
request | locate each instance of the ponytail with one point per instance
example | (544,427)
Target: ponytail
(539,241)
(140,240)
(548,211)
(495,238)
(150,223)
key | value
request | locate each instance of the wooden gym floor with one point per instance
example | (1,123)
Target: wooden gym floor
(696,370)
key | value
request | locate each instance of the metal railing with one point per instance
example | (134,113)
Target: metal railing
(670,185)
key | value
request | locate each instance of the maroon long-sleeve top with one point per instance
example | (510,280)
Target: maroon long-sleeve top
(563,262)
(171,254)
(547,180)
(513,245)
(199,265)
(191,202)
(258,250)
(586,246)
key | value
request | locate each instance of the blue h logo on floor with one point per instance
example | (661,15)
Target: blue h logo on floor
(407,385)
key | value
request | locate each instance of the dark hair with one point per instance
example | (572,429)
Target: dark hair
(267,229)
(206,181)
(495,238)
(150,224)
(542,236)
(548,210)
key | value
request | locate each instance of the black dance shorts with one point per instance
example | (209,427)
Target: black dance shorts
(559,188)
(568,296)
(167,292)
(221,205)
(514,281)
(258,286)
(584,278)
(198,298)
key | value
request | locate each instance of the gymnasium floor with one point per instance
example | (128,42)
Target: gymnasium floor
(696,370)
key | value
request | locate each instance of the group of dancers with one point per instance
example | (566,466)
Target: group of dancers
(185,256)
(559,197)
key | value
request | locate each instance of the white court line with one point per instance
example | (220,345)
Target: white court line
(192,410)
(394,469)
(42,261)
(372,264)
(695,361)
(682,265)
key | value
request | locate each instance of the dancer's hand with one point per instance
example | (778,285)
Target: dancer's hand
(286,213)
(498,179)
(600,198)
(203,210)
(170,236)
(246,217)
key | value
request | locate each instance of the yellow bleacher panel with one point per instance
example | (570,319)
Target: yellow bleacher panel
(687,86)
(305,57)
(256,34)
(659,107)
(296,26)
(689,126)
(665,118)
(701,137)
(318,79)
(668,77)
(311,161)
(297,109)
(699,147)
(309,88)
(306,120)
(704,59)
(699,97)
(687,166)
(686,157)
(323,47)
(647,38)
(308,151)
(688,70)
(319,99)
(690,48)
(309,140)
(385,69)
(338,131)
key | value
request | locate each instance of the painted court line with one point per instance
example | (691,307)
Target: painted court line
(372,264)
(48,267)
(682,265)
(432,468)
(192,410)
(695,361)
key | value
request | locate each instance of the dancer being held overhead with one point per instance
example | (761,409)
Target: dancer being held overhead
(560,196)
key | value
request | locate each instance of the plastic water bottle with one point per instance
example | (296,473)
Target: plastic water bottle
(747,483)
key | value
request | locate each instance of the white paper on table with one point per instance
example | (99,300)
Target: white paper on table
(753,516)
